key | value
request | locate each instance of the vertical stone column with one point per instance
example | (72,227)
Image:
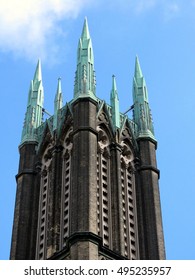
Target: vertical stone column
(35,210)
(151,209)
(54,201)
(140,218)
(83,195)
(25,215)
(116,193)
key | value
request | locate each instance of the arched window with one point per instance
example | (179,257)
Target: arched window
(129,202)
(66,185)
(103,188)
(44,204)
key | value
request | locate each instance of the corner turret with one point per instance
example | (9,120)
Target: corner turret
(85,83)
(33,116)
(142,114)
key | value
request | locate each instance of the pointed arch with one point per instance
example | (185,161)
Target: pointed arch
(44,209)
(66,186)
(103,185)
(46,137)
(66,121)
(128,189)
(127,134)
(104,119)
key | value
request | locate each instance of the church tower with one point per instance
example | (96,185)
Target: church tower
(87,184)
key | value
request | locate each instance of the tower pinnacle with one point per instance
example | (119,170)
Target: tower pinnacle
(138,71)
(114,101)
(33,116)
(38,74)
(142,113)
(58,97)
(87,182)
(58,103)
(85,33)
(85,83)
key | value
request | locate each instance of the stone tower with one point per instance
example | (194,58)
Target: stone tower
(87,184)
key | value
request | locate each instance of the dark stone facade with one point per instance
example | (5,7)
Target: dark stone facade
(91,133)
(87,184)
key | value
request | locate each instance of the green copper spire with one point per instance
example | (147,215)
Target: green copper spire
(142,113)
(33,117)
(85,84)
(58,103)
(38,74)
(114,101)
(85,33)
(138,72)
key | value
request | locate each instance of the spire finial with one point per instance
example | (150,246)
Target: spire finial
(59,87)
(114,83)
(138,71)
(58,97)
(142,113)
(114,104)
(85,33)
(58,103)
(85,83)
(38,74)
(114,93)
(33,117)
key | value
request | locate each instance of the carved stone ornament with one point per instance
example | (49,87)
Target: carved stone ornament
(68,140)
(38,166)
(106,153)
(126,133)
(67,154)
(44,172)
(123,163)
(126,154)
(103,118)
(102,138)
(131,168)
(99,149)
(48,155)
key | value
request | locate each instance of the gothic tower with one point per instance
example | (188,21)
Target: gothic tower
(87,184)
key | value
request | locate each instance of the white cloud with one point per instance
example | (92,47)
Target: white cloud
(171,10)
(29,27)
(144,5)
(132,6)
(167,9)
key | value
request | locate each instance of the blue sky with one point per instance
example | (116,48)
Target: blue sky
(161,33)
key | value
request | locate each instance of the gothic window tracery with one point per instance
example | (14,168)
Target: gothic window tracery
(66,185)
(129,201)
(103,187)
(44,203)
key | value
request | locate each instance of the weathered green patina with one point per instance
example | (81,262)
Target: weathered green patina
(58,104)
(33,117)
(85,83)
(142,114)
(114,101)
(85,86)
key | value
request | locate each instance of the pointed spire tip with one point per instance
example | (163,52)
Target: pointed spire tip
(138,71)
(85,32)
(38,74)
(114,87)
